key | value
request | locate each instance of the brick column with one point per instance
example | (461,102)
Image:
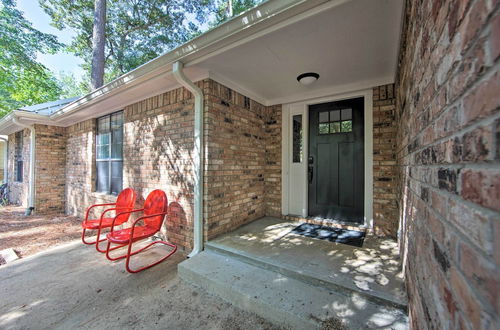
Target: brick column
(449,176)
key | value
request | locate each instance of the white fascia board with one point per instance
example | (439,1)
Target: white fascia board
(7,126)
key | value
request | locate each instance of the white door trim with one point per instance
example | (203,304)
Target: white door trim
(300,181)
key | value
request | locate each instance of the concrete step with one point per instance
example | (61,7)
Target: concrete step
(284,300)
(344,284)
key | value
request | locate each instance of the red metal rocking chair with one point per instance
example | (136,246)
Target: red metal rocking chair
(155,210)
(124,203)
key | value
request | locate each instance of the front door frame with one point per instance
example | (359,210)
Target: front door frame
(299,176)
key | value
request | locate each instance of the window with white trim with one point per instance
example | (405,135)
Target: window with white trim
(109,153)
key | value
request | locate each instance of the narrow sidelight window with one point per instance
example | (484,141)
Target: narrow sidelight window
(109,153)
(297,139)
(18,157)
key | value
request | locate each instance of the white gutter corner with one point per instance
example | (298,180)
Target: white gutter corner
(31,186)
(178,73)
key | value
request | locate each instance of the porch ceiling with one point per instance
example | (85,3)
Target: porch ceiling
(352,45)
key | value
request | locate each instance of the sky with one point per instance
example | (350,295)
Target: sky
(41,21)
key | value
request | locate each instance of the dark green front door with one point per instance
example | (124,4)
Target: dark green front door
(336,160)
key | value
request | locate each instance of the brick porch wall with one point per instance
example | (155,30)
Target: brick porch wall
(272,174)
(385,209)
(243,173)
(235,161)
(50,159)
(449,175)
(157,154)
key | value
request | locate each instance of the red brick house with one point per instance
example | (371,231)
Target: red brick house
(400,129)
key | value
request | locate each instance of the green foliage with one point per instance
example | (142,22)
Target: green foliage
(137,31)
(23,80)
(70,86)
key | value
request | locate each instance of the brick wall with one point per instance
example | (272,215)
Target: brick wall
(157,154)
(243,173)
(80,168)
(272,174)
(385,207)
(18,191)
(449,176)
(50,165)
(50,162)
(158,151)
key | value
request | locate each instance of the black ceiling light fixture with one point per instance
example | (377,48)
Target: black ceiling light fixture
(307,78)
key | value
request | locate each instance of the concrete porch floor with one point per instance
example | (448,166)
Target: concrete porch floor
(72,286)
(373,270)
(303,283)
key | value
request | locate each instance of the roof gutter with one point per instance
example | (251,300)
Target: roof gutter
(31,183)
(197,156)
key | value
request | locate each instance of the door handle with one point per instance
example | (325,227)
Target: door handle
(310,169)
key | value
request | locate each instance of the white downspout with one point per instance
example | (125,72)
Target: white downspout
(31,186)
(5,158)
(197,156)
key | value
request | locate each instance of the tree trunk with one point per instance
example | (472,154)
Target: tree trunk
(230,8)
(98,43)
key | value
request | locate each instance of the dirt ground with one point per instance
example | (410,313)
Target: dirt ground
(32,234)
(74,287)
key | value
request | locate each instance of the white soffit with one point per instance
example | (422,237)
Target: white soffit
(353,46)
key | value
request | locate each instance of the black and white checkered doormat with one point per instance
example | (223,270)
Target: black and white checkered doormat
(338,235)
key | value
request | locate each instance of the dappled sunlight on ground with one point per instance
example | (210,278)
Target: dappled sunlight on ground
(374,263)
(373,266)
(365,274)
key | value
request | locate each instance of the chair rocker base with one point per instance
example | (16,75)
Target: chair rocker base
(129,254)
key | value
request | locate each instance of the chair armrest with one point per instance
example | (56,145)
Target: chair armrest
(116,216)
(95,205)
(143,217)
(104,212)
